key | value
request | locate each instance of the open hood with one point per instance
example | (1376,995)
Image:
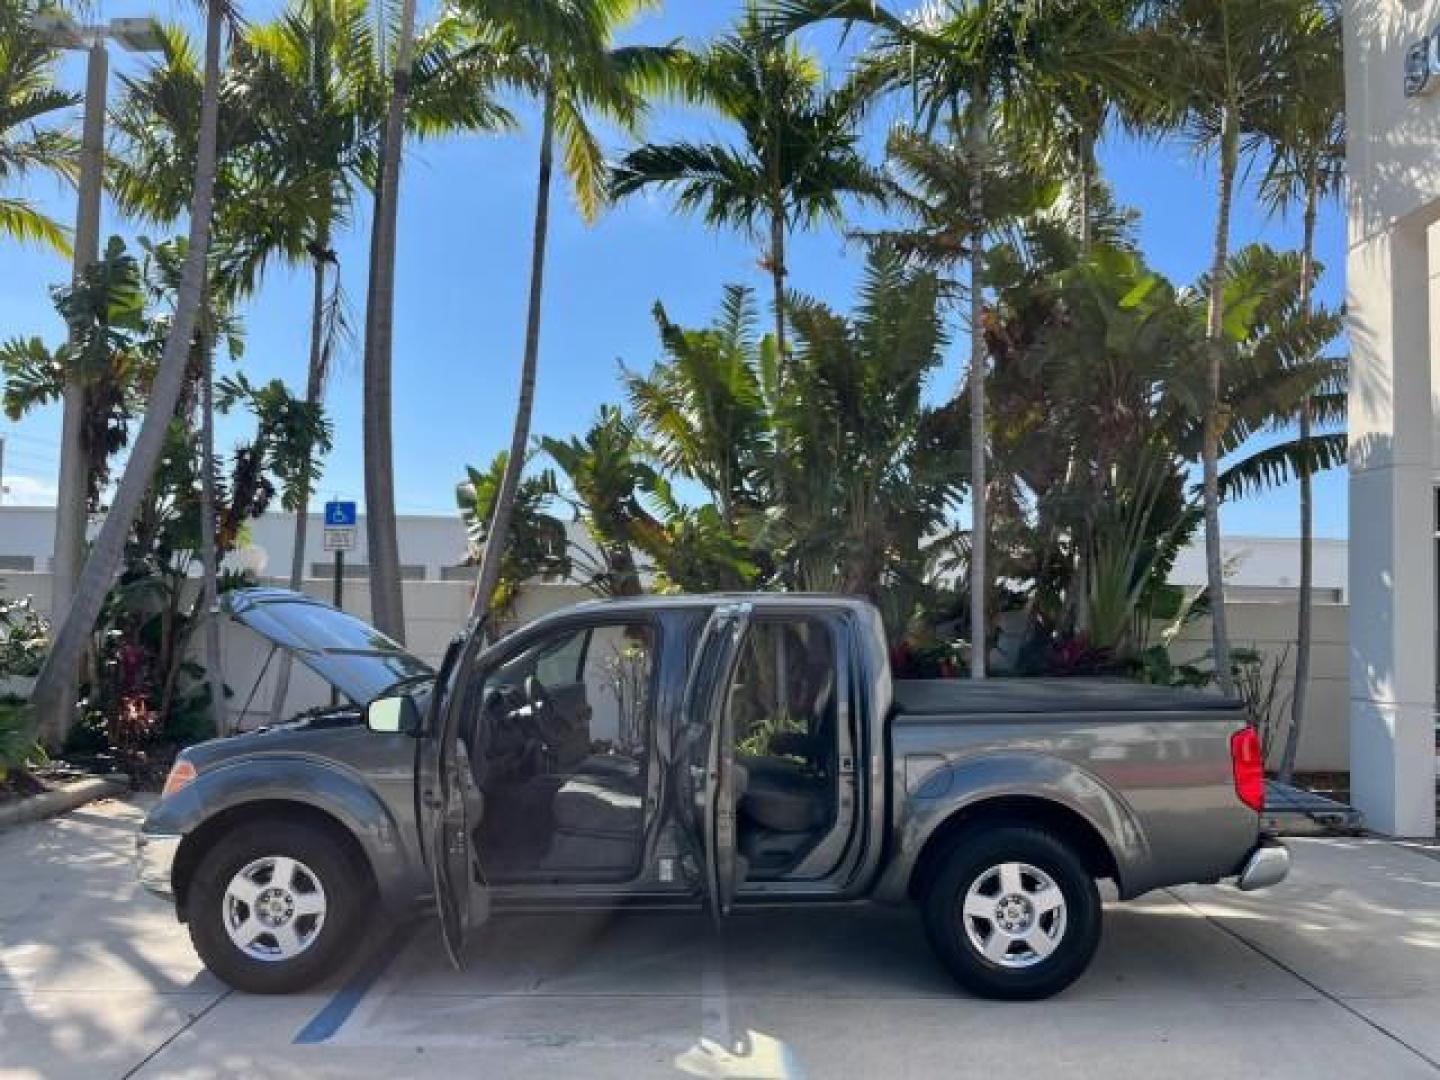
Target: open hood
(351,655)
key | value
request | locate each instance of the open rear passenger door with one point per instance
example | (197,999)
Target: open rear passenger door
(707,756)
(448,802)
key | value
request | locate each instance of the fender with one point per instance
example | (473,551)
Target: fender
(957,784)
(321,783)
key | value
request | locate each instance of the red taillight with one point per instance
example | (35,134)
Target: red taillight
(1249,766)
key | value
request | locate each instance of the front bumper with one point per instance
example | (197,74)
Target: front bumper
(154,861)
(1267,865)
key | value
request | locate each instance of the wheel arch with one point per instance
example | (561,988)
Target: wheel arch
(204,836)
(1066,823)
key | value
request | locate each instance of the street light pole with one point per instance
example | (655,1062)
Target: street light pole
(73,487)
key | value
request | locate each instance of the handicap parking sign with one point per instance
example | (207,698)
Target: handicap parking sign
(340,515)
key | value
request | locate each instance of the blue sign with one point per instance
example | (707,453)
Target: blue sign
(340,515)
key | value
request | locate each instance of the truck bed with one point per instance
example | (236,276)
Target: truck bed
(1015,696)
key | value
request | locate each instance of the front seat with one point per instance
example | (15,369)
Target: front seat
(597,814)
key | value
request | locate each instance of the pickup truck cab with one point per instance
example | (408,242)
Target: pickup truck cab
(731,751)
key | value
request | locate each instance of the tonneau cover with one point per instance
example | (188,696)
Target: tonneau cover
(963,697)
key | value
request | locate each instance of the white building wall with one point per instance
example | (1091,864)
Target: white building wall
(1393,201)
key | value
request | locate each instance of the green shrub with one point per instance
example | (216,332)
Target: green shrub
(17,737)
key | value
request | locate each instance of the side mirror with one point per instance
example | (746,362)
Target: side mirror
(393,715)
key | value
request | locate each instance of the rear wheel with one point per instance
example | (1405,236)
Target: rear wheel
(273,905)
(1013,913)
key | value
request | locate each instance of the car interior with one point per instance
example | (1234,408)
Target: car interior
(558,746)
(783,713)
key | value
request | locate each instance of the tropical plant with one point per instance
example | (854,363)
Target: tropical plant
(608,475)
(109,353)
(1305,136)
(29,99)
(1091,400)
(539,543)
(867,473)
(985,67)
(119,313)
(796,160)
(562,54)
(705,405)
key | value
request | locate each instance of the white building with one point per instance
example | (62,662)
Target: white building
(1392,74)
(432,546)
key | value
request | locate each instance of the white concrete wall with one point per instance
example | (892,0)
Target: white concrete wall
(1393,309)
(1269,627)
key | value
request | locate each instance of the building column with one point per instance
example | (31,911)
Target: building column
(1392,526)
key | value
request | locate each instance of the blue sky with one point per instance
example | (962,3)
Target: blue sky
(465,220)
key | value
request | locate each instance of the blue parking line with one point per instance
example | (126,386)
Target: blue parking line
(337,1010)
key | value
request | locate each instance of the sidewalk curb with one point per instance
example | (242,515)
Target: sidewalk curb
(62,800)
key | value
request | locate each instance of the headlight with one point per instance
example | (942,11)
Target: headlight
(181,775)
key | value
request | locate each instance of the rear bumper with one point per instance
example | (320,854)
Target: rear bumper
(155,860)
(1267,865)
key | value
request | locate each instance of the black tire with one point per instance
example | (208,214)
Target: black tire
(972,861)
(347,892)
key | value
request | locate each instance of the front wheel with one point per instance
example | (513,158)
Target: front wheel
(1013,913)
(273,905)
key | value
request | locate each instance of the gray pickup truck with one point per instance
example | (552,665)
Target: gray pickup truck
(731,751)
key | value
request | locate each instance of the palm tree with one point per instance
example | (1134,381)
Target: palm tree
(316,63)
(108,549)
(978,65)
(387,606)
(1306,137)
(28,96)
(796,159)
(1226,60)
(562,53)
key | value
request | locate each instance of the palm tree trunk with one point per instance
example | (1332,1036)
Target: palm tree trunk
(209,553)
(497,537)
(109,547)
(979,530)
(314,387)
(387,606)
(1305,615)
(777,278)
(1210,454)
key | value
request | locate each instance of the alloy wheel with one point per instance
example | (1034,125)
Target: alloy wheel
(1014,915)
(274,908)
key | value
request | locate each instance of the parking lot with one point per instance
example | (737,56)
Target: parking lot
(1336,973)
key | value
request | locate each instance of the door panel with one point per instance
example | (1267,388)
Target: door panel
(449,805)
(707,760)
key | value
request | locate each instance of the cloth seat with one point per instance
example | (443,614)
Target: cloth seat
(783,795)
(602,796)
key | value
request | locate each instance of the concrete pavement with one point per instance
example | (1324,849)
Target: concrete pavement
(1335,973)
